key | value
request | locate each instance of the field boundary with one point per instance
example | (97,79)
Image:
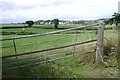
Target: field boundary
(54,32)
(74,45)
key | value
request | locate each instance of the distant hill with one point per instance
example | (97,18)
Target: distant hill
(103,19)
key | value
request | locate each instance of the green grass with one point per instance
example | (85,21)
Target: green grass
(45,45)
(35,29)
(38,28)
(63,69)
(12,25)
(111,36)
(75,67)
(32,30)
(82,66)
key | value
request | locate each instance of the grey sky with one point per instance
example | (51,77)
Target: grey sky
(22,10)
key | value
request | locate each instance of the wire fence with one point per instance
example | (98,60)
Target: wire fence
(35,49)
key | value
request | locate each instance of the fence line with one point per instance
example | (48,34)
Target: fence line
(54,54)
(51,60)
(26,53)
(47,40)
(66,46)
(54,32)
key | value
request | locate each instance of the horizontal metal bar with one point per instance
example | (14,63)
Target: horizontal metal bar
(35,59)
(54,39)
(5,63)
(37,42)
(40,42)
(48,32)
(26,53)
(50,60)
(48,40)
(71,51)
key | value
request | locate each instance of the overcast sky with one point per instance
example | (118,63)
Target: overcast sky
(22,10)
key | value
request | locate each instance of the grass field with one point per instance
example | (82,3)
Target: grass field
(75,67)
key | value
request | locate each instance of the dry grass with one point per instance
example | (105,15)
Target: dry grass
(110,41)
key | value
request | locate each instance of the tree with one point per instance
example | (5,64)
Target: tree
(56,23)
(114,20)
(30,23)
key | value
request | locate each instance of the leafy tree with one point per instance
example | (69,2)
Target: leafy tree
(114,20)
(30,23)
(56,23)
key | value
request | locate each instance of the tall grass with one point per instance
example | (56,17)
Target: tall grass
(110,41)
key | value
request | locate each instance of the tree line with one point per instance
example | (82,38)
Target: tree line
(114,20)
(54,21)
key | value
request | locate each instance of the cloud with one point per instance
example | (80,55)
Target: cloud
(22,10)
(7,5)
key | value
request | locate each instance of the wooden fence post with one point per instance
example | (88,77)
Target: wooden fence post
(100,43)
(118,52)
(118,58)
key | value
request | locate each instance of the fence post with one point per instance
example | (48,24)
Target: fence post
(118,50)
(118,56)
(100,43)
(75,39)
(15,51)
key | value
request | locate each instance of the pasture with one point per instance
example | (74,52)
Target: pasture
(75,67)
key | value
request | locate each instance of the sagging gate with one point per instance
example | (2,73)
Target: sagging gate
(22,51)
